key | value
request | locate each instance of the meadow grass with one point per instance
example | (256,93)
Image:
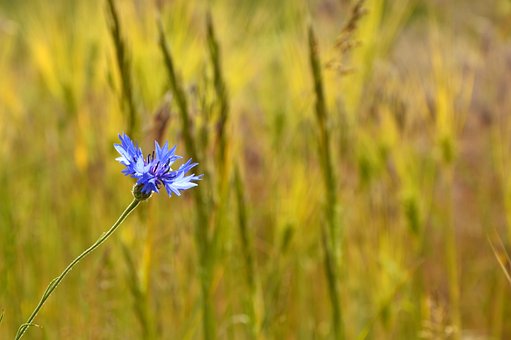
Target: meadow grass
(356,161)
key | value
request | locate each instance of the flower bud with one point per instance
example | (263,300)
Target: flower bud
(139,194)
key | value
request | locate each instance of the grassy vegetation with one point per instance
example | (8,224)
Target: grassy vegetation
(356,158)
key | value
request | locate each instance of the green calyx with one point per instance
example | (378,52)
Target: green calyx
(139,194)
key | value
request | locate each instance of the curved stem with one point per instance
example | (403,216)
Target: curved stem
(55,282)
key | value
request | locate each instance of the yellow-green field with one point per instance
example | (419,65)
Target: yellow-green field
(356,160)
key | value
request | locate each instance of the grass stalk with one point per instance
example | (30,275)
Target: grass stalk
(222,162)
(221,94)
(247,250)
(330,233)
(324,140)
(201,230)
(123,65)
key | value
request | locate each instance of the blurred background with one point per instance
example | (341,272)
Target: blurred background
(356,157)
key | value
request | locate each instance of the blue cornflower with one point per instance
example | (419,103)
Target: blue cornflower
(154,171)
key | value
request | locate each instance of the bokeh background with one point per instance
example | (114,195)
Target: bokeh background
(389,238)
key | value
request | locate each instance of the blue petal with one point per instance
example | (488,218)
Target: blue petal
(156,172)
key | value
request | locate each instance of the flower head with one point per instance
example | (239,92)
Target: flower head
(154,171)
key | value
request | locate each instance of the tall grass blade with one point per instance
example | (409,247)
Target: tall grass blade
(123,65)
(222,161)
(221,93)
(201,230)
(248,255)
(329,235)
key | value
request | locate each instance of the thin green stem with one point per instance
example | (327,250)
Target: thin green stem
(221,94)
(247,250)
(53,284)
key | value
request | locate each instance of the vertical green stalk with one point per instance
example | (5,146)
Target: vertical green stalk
(329,234)
(123,64)
(221,93)
(55,282)
(324,139)
(222,162)
(247,250)
(201,230)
